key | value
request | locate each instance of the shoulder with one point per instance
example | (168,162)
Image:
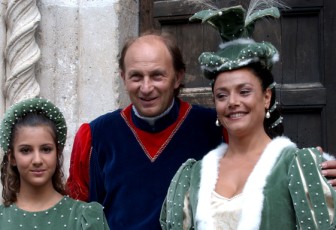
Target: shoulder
(81,206)
(184,171)
(91,212)
(205,118)
(309,155)
(203,110)
(105,123)
(281,146)
(107,116)
(3,209)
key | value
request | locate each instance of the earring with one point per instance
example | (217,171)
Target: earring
(267,115)
(218,123)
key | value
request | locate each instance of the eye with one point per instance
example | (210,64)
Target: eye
(221,96)
(25,150)
(157,76)
(245,92)
(135,77)
(46,149)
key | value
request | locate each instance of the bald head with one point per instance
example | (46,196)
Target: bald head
(167,40)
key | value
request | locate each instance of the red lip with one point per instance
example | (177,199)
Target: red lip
(38,172)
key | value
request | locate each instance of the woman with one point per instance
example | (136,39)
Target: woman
(32,136)
(260,180)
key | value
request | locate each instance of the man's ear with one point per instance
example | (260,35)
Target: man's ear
(123,77)
(179,78)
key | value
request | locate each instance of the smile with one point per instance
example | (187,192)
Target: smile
(236,115)
(148,102)
(147,99)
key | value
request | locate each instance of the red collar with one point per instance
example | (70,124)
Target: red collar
(154,143)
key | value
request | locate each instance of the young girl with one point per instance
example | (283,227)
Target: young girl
(32,136)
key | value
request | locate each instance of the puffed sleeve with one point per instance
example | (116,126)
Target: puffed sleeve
(313,198)
(176,212)
(93,217)
(77,185)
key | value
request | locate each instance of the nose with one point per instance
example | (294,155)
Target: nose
(37,159)
(146,85)
(234,100)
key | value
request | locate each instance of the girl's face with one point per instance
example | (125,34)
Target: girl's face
(240,101)
(35,156)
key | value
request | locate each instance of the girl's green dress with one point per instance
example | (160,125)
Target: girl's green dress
(66,214)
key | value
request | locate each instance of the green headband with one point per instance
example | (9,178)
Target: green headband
(21,109)
(235,27)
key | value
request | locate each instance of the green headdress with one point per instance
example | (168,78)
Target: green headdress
(21,109)
(235,26)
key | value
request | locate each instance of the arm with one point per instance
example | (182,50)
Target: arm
(176,212)
(93,217)
(313,198)
(77,185)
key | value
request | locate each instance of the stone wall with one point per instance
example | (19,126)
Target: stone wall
(77,43)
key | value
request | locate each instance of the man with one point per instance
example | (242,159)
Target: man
(133,153)
(136,151)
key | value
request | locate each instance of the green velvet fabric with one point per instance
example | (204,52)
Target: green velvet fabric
(294,194)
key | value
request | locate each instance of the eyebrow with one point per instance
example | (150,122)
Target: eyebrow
(236,86)
(155,71)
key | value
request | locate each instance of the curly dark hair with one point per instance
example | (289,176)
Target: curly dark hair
(10,176)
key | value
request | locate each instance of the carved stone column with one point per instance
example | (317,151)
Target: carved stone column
(21,52)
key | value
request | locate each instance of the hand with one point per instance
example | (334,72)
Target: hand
(329,169)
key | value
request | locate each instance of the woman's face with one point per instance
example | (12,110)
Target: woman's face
(35,156)
(240,101)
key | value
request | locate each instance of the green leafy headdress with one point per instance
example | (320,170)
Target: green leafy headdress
(235,26)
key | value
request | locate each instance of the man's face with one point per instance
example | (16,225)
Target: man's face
(149,76)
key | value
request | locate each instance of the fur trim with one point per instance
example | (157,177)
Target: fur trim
(252,192)
(328,157)
(209,175)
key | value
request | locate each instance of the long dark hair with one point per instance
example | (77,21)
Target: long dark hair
(10,176)
(266,79)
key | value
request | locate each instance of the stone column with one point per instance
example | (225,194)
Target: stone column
(3,7)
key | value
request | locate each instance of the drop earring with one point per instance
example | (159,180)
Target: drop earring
(218,123)
(267,115)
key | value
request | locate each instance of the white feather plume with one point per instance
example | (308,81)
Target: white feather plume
(204,4)
(256,5)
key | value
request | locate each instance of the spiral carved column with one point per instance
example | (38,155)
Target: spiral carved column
(22,52)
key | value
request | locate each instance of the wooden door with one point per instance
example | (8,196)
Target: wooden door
(306,72)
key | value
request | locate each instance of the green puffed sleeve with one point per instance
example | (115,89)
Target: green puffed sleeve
(313,198)
(175,212)
(93,217)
